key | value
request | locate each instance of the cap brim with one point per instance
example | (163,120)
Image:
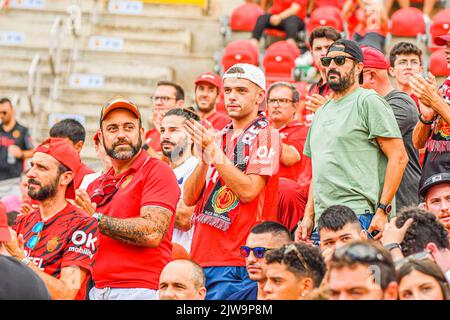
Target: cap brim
(120,104)
(211,82)
(442,40)
(5,236)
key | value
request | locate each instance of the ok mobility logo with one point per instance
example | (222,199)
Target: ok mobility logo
(85,244)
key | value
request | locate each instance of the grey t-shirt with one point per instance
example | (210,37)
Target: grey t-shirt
(406,114)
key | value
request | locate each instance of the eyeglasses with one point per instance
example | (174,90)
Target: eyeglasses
(33,241)
(103,195)
(281,101)
(338,60)
(258,252)
(163,99)
(359,252)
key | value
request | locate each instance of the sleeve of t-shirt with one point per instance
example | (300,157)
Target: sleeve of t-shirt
(265,154)
(307,147)
(378,117)
(297,139)
(83,246)
(161,187)
(405,112)
(28,142)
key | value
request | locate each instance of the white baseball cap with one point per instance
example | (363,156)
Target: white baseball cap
(251,73)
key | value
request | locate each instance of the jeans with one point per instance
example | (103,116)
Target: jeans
(221,282)
(123,294)
(364,220)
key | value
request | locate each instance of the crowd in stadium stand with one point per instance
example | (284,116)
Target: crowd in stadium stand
(262,190)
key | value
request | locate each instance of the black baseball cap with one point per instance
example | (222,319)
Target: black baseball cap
(350,47)
(434,180)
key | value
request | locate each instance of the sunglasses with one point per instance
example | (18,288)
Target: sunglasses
(359,252)
(103,195)
(338,60)
(33,241)
(416,256)
(258,252)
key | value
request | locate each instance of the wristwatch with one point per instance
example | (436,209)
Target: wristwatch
(427,122)
(98,216)
(387,208)
(392,246)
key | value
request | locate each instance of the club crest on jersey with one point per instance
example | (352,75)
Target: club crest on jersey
(52,244)
(224,200)
(126,182)
(16,134)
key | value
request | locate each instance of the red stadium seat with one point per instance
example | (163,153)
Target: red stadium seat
(239,51)
(333,3)
(407,22)
(438,64)
(275,33)
(326,16)
(279,61)
(440,25)
(244,17)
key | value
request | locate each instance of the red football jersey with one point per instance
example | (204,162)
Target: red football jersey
(214,247)
(219,120)
(70,238)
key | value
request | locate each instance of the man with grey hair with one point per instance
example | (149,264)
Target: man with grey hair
(182,280)
(234,185)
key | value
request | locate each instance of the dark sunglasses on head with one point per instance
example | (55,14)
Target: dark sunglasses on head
(359,252)
(33,241)
(338,60)
(259,252)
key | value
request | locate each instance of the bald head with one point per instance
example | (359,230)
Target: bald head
(182,280)
(377,79)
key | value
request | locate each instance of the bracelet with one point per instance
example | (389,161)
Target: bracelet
(427,122)
(392,246)
(98,216)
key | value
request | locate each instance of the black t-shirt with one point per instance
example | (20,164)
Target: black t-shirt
(406,114)
(20,137)
(437,154)
(19,282)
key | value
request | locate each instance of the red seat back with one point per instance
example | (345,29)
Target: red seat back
(407,22)
(244,17)
(440,24)
(333,3)
(438,64)
(239,51)
(326,16)
(279,60)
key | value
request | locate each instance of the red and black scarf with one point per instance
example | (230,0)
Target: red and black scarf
(220,204)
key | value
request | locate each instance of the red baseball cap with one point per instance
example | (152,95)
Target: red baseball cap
(120,104)
(65,153)
(442,40)
(374,59)
(210,78)
(5,236)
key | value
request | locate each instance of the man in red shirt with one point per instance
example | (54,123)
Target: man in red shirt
(235,184)
(207,96)
(134,204)
(168,95)
(74,133)
(58,240)
(282,101)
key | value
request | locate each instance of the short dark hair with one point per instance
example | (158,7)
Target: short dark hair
(6,100)
(427,267)
(324,32)
(425,228)
(235,69)
(179,92)
(336,217)
(68,128)
(404,48)
(12,217)
(183,112)
(302,259)
(382,259)
(272,227)
(295,93)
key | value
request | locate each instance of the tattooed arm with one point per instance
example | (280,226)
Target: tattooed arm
(147,231)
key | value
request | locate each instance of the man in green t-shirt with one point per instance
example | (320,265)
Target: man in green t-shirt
(356,147)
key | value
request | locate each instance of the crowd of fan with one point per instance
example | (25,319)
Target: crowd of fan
(242,205)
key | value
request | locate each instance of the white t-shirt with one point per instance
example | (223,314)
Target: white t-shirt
(182,172)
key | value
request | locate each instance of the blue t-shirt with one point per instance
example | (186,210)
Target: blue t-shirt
(249,293)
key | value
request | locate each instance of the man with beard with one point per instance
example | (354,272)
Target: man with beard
(134,203)
(235,184)
(176,145)
(207,96)
(58,241)
(357,153)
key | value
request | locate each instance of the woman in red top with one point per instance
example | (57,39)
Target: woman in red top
(285,15)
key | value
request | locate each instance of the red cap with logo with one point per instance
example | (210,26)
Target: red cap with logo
(210,78)
(374,59)
(5,236)
(442,40)
(119,104)
(66,154)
